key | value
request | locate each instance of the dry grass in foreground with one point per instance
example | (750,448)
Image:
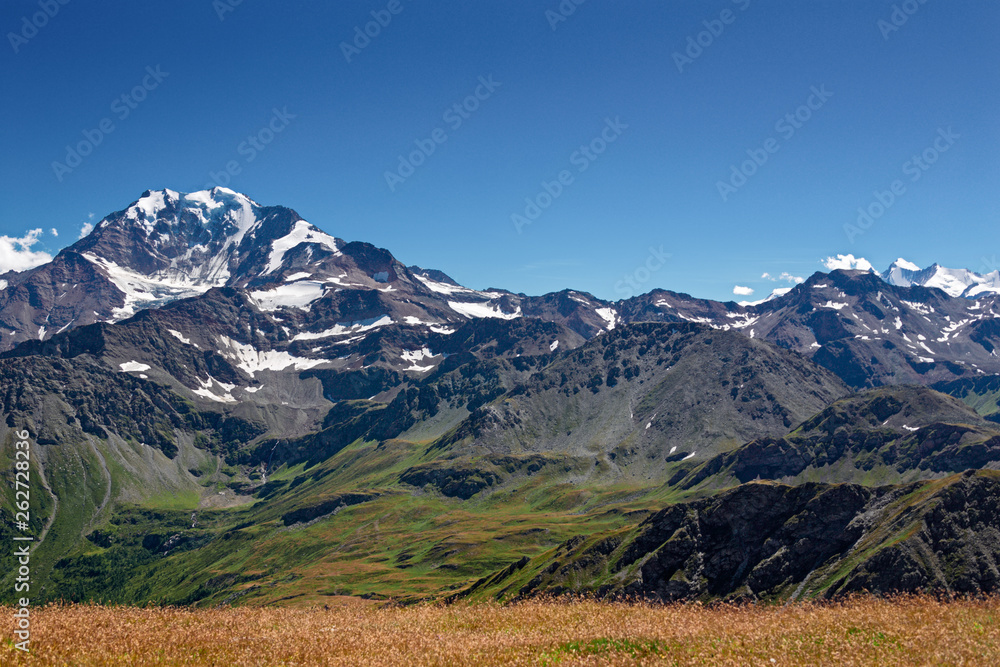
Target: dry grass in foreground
(860,631)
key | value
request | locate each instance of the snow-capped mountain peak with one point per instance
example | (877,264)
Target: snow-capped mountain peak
(901,273)
(904,264)
(164,216)
(954,282)
(201,240)
(169,245)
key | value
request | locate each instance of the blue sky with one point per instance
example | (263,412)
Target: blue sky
(643,108)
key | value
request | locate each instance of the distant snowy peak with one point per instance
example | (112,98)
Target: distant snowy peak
(954,282)
(183,242)
(990,285)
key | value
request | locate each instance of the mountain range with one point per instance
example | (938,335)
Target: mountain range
(228,403)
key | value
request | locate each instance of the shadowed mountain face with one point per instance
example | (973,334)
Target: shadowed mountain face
(981,393)
(203,373)
(645,395)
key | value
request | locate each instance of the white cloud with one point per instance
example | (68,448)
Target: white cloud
(86,229)
(54,231)
(848,262)
(784,277)
(740,290)
(16,253)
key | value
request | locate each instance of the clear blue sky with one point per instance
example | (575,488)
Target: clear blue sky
(655,185)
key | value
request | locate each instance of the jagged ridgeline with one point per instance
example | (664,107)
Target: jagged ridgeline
(892,434)
(228,404)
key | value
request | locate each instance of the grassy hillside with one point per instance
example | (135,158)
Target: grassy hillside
(860,631)
(981,394)
(348,526)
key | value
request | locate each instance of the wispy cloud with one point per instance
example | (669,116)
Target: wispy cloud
(785,276)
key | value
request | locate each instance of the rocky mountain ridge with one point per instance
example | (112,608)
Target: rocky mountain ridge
(203,372)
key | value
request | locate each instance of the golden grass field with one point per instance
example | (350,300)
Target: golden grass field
(859,631)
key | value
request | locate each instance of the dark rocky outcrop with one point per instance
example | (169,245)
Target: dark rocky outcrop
(325,506)
(767,540)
